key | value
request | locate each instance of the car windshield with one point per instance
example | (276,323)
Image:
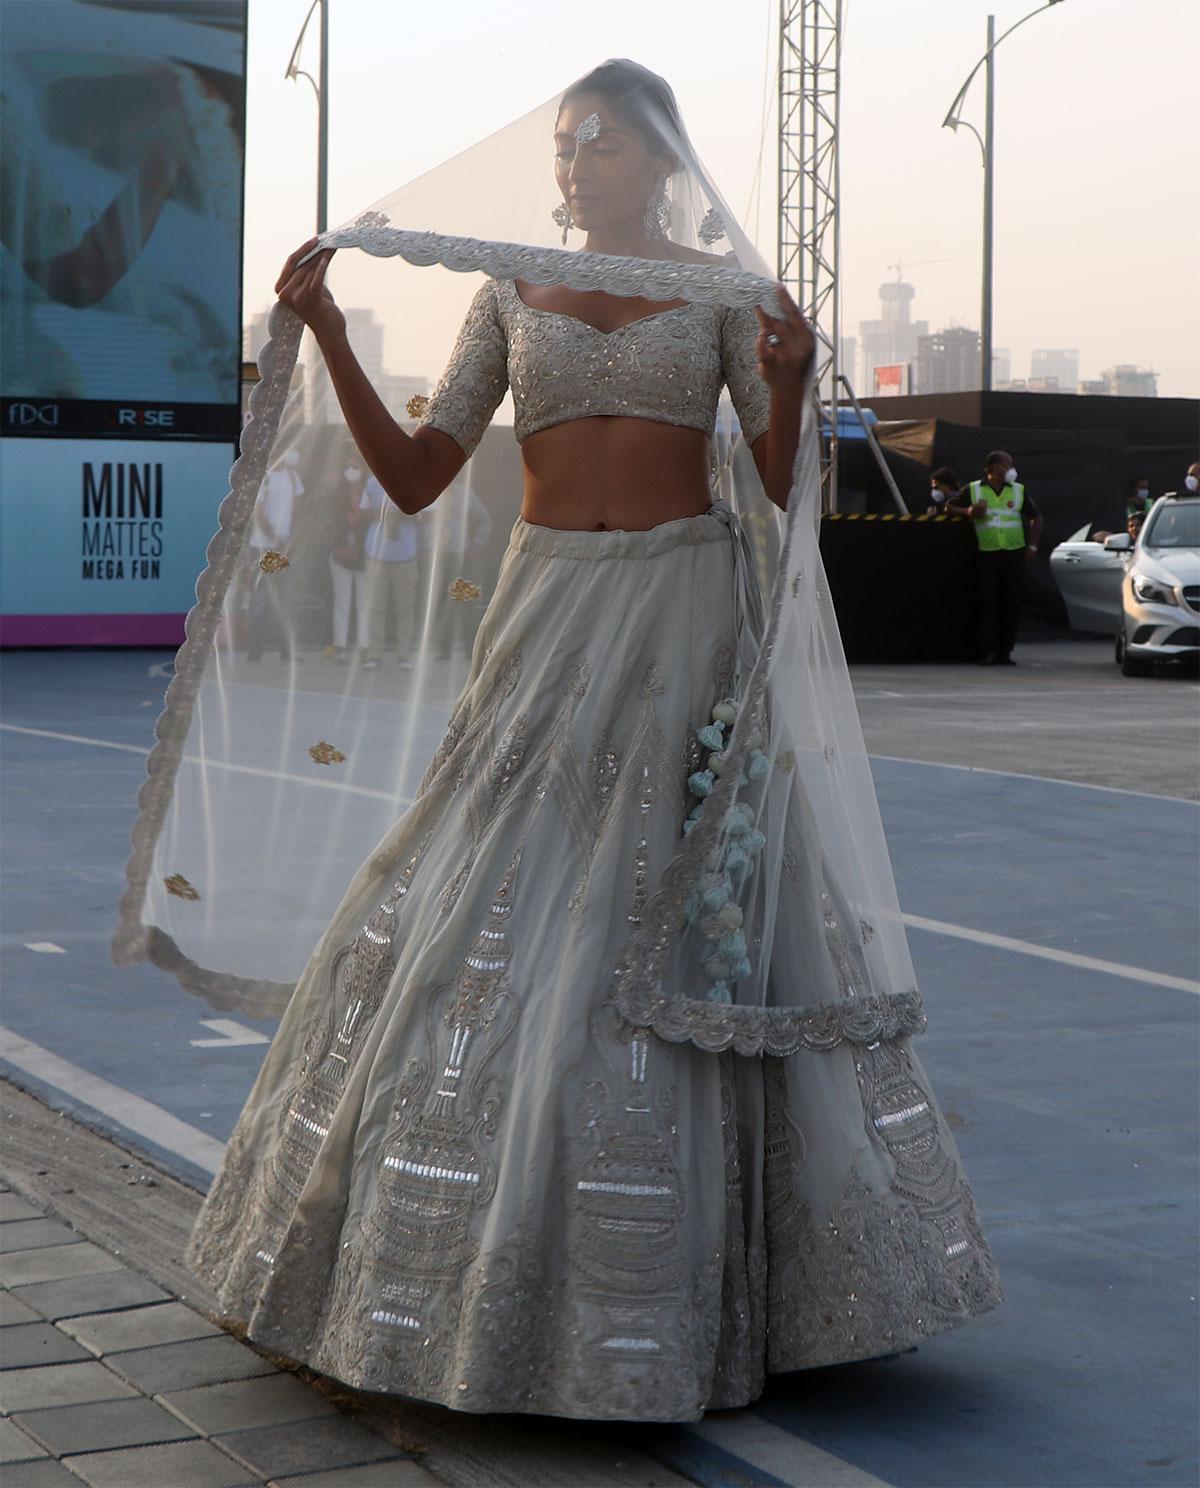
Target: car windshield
(1174,526)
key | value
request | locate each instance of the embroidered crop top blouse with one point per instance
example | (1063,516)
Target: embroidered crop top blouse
(667,367)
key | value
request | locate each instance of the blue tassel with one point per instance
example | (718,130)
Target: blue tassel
(710,735)
(694,813)
(754,842)
(716,898)
(736,860)
(759,764)
(740,969)
(701,783)
(719,992)
(733,945)
(689,824)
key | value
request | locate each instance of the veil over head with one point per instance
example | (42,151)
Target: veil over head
(285,753)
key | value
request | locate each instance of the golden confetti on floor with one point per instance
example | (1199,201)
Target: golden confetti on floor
(417,405)
(272,562)
(463,590)
(326,754)
(179,886)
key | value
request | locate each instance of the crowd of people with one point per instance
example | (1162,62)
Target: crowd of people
(367,571)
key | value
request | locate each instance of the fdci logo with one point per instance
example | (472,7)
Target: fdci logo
(33,415)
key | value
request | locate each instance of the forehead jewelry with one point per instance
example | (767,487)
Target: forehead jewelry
(588,130)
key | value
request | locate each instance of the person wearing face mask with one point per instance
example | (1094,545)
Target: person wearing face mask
(1139,498)
(1007,527)
(1191,481)
(943,484)
(274,520)
(347,570)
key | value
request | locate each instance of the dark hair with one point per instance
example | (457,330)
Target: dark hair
(997,457)
(944,476)
(639,97)
(1137,481)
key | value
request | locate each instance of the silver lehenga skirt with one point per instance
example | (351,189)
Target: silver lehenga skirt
(460,1177)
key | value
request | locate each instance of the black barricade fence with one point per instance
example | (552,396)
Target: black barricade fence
(904,588)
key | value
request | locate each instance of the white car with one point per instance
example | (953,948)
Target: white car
(1089,577)
(1160,590)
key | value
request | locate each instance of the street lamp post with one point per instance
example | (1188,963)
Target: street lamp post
(986,145)
(321,89)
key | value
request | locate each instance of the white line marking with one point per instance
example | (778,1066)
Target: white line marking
(337,785)
(1116,790)
(131,1111)
(778,1452)
(47,947)
(231,1034)
(1048,953)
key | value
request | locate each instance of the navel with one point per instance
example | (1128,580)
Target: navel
(600,527)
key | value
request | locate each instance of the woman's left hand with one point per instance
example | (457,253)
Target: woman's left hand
(785,347)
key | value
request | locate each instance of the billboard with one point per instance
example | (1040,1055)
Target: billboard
(120,304)
(891,380)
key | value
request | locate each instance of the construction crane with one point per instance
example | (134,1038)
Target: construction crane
(919,264)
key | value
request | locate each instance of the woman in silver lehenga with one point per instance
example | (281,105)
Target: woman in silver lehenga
(596,1096)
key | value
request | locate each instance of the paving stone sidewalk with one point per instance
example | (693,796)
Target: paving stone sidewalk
(107,1379)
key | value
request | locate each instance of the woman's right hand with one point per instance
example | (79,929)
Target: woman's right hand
(301,287)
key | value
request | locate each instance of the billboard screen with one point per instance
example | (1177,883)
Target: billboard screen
(121,166)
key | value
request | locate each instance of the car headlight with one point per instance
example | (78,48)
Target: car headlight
(1153,591)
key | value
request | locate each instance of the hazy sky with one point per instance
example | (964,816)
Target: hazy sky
(1097,223)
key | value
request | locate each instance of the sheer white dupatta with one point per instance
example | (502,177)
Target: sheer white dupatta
(283,757)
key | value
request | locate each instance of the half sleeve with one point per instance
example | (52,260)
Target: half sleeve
(476,377)
(739,367)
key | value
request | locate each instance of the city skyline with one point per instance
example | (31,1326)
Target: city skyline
(1092,248)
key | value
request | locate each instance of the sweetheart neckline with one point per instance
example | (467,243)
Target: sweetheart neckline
(587,324)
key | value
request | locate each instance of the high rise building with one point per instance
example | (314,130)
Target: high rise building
(892,338)
(1062,366)
(365,335)
(948,361)
(1127,381)
(254,336)
(1001,367)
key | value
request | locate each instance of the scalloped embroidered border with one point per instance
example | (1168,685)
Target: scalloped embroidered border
(715,284)
(776,1030)
(133,940)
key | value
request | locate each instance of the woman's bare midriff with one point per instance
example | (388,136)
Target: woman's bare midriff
(598,473)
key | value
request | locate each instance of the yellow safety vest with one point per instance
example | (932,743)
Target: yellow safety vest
(1002,527)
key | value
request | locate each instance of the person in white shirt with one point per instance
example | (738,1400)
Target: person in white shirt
(391,557)
(274,522)
(455,533)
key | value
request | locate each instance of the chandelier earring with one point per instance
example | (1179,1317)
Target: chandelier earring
(562,215)
(658,211)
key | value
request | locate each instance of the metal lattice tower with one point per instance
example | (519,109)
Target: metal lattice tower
(809,242)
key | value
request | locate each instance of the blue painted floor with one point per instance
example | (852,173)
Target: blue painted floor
(1072,1091)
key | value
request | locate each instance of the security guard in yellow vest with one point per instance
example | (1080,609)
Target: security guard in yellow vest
(1007,527)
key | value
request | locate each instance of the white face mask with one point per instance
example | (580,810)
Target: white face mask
(1192,483)
(1143,493)
(1010,474)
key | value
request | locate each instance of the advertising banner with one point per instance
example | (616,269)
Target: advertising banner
(121,148)
(891,380)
